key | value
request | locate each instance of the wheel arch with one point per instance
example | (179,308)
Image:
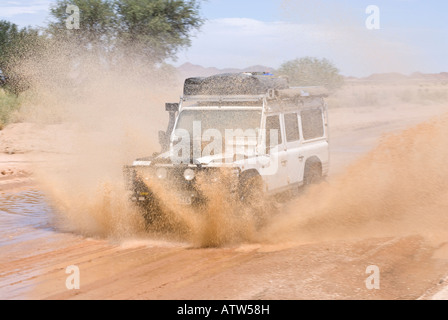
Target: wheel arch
(313,163)
(249,173)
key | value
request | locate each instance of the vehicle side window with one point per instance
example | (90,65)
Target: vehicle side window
(312,124)
(292,127)
(273,123)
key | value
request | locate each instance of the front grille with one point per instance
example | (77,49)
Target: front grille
(175,181)
(175,176)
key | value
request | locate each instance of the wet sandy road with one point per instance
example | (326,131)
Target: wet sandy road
(34,259)
(24,216)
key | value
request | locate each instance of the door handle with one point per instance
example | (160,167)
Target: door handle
(301,158)
(284,162)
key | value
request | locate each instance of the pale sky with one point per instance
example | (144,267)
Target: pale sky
(413,34)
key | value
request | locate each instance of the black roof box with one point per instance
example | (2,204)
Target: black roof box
(253,83)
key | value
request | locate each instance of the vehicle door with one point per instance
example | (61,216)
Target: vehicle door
(275,175)
(293,142)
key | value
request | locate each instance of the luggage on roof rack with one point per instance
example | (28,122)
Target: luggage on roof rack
(294,92)
(234,84)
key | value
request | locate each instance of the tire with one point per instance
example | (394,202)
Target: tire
(251,190)
(149,209)
(254,200)
(312,174)
(150,212)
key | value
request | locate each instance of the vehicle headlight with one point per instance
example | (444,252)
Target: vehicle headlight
(189,174)
(161,173)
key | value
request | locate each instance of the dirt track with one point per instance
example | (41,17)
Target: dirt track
(34,257)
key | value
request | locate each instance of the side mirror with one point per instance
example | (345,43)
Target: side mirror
(172,107)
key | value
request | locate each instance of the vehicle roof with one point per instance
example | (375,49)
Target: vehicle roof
(251,90)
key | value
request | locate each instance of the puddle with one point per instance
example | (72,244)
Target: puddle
(23,215)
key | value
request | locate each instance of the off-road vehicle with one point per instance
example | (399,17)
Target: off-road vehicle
(266,136)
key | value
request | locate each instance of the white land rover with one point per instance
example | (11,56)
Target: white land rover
(269,137)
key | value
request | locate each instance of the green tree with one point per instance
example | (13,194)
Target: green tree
(9,33)
(310,71)
(97,23)
(15,46)
(155,29)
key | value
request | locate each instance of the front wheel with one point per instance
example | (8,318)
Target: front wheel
(251,190)
(255,201)
(150,211)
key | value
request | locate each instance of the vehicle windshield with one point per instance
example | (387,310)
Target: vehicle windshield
(219,120)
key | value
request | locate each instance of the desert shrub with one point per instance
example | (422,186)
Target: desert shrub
(9,106)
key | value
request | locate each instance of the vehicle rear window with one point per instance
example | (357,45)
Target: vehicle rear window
(312,124)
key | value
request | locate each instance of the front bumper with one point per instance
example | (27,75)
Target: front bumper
(183,192)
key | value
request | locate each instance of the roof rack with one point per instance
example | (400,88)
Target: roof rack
(236,84)
(224,97)
(293,92)
(263,88)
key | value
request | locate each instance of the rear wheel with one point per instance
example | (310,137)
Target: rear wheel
(312,174)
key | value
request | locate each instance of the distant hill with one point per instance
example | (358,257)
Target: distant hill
(398,77)
(429,76)
(188,70)
(386,77)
